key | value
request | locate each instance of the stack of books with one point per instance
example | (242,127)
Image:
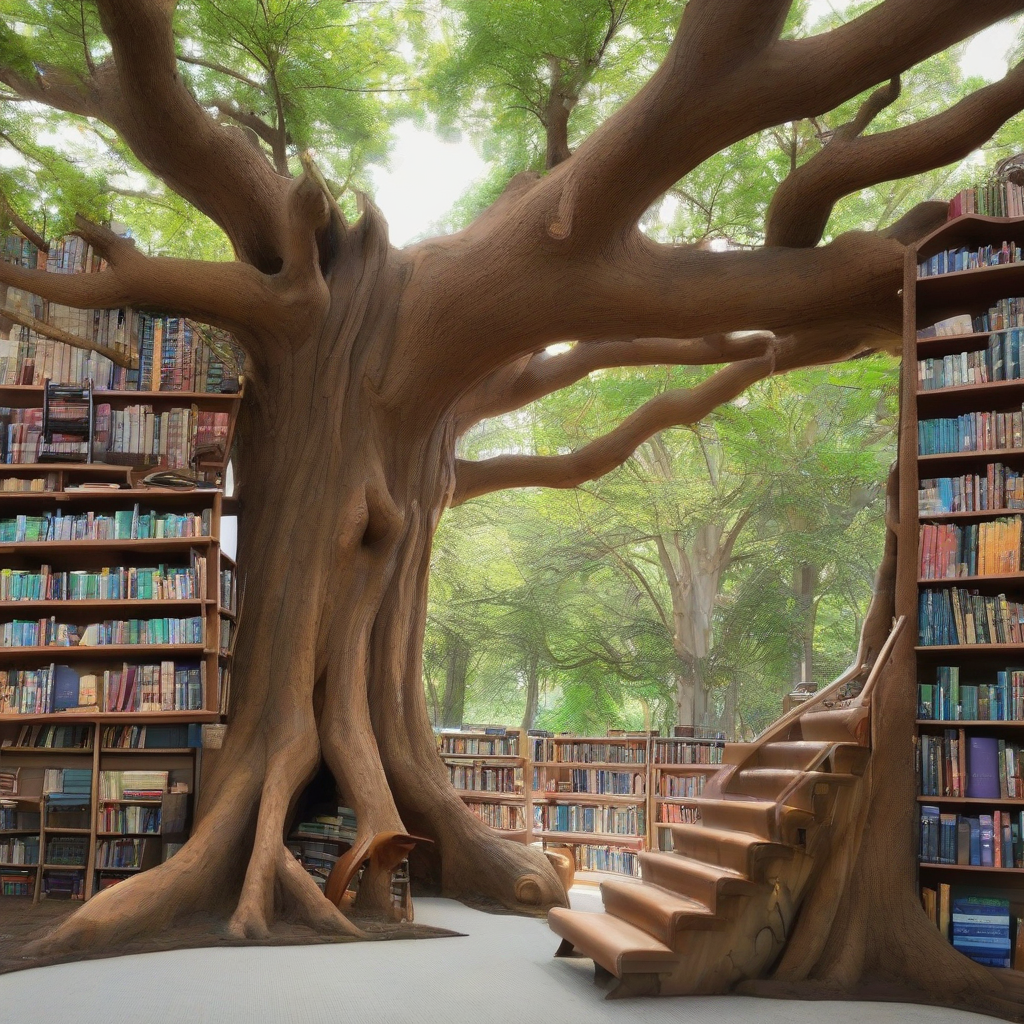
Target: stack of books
(981,929)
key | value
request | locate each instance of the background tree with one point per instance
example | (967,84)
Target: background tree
(366,363)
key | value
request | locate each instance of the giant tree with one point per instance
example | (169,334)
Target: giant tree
(365,362)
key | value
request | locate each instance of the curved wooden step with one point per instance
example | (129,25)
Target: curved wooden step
(755,816)
(738,851)
(654,909)
(790,754)
(839,725)
(706,883)
(618,946)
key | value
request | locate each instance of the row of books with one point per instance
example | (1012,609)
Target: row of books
(64,885)
(589,752)
(33,484)
(947,551)
(625,821)
(1000,361)
(954,616)
(136,435)
(681,785)
(949,700)
(111,583)
(950,261)
(19,851)
(133,785)
(153,737)
(998,488)
(227,629)
(604,781)
(228,592)
(67,850)
(991,199)
(167,686)
(993,840)
(958,764)
(13,817)
(67,785)
(592,857)
(53,737)
(506,817)
(971,432)
(131,819)
(677,814)
(128,524)
(120,853)
(482,779)
(51,633)
(17,883)
(1003,316)
(506,746)
(688,753)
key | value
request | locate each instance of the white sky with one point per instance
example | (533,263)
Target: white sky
(425,175)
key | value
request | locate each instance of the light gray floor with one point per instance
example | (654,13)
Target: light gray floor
(501,971)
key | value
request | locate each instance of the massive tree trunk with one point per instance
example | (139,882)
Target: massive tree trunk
(366,363)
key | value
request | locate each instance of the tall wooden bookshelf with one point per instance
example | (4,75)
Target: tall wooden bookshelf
(188,693)
(488,768)
(680,767)
(591,795)
(927,301)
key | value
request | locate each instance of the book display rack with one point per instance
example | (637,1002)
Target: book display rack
(963,306)
(487,767)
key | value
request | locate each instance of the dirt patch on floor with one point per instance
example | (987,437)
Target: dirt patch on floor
(21,921)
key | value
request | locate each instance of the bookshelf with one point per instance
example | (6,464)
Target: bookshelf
(77,808)
(591,794)
(680,767)
(961,455)
(487,766)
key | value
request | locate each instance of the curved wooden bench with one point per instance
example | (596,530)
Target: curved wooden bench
(384,850)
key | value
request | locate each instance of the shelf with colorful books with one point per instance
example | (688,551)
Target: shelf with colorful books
(591,795)
(962,477)
(487,767)
(680,769)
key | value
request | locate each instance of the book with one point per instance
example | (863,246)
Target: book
(983,768)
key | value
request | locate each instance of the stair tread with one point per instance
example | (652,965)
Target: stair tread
(733,837)
(698,867)
(656,896)
(618,946)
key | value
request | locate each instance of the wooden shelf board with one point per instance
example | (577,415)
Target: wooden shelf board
(147,803)
(68,831)
(976,648)
(156,545)
(76,495)
(689,767)
(146,717)
(591,798)
(1006,801)
(988,455)
(676,800)
(990,513)
(508,759)
(998,577)
(603,765)
(490,797)
(970,867)
(98,868)
(64,867)
(947,723)
(963,337)
(111,651)
(19,865)
(19,831)
(200,398)
(122,835)
(163,751)
(80,751)
(989,386)
(226,613)
(595,838)
(88,605)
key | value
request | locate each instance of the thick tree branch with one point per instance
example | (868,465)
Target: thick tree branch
(673,408)
(727,76)
(532,377)
(146,101)
(22,225)
(199,62)
(801,206)
(233,296)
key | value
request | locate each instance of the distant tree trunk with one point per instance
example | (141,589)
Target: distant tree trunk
(532,690)
(805,585)
(454,707)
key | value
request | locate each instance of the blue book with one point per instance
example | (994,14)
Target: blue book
(65,687)
(983,768)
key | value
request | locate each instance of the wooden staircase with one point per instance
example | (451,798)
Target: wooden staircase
(719,907)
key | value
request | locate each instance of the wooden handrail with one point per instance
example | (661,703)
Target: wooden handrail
(876,670)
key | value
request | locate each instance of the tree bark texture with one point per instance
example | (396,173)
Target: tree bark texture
(365,363)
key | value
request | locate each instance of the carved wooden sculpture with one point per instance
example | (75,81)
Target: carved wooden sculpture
(365,363)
